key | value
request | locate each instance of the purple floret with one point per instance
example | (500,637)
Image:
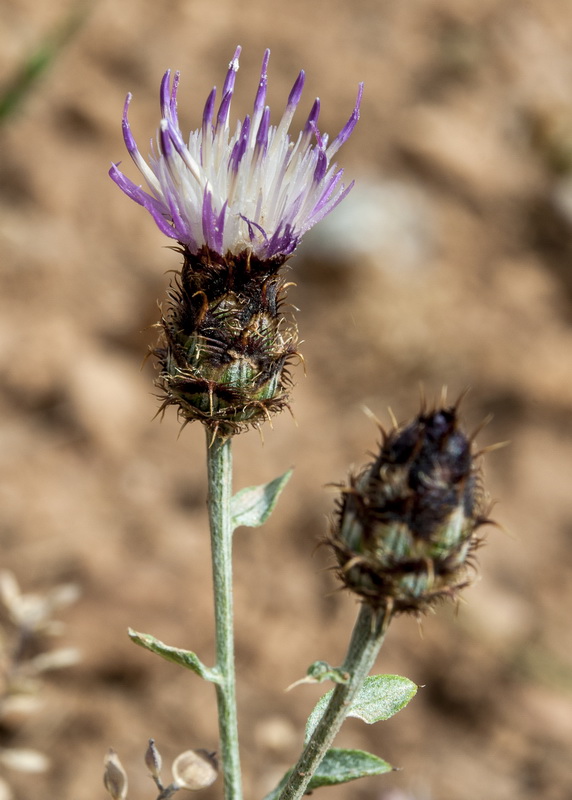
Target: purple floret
(250,187)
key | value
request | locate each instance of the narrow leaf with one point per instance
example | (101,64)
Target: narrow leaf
(35,65)
(252,506)
(321,671)
(380,697)
(338,766)
(185,658)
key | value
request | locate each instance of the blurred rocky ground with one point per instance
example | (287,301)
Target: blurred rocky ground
(450,264)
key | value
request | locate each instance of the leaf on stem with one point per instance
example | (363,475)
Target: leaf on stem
(185,658)
(339,766)
(380,697)
(321,671)
(252,506)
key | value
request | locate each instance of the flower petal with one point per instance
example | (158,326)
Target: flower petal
(250,187)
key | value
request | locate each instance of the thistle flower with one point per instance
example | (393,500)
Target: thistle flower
(238,204)
(406,527)
(251,189)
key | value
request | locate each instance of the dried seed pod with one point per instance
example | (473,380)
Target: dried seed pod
(115,777)
(406,525)
(195,769)
(225,345)
(153,760)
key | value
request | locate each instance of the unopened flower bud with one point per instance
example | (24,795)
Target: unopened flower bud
(153,760)
(406,525)
(115,777)
(195,769)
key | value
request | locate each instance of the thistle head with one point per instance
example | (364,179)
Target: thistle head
(237,199)
(406,524)
(225,346)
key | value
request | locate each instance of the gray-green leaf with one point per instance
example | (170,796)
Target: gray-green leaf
(380,697)
(185,658)
(339,766)
(321,671)
(252,506)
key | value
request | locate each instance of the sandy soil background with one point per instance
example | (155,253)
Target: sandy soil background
(450,265)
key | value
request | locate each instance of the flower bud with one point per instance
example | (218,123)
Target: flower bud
(225,345)
(195,769)
(405,528)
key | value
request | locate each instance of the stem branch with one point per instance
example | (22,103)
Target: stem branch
(367,638)
(219,465)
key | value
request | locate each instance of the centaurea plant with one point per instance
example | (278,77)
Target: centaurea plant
(237,200)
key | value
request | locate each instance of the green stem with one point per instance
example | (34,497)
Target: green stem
(367,638)
(219,463)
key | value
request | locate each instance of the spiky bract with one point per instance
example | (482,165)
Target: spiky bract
(226,345)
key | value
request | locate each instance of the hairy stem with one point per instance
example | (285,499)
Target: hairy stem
(219,463)
(367,638)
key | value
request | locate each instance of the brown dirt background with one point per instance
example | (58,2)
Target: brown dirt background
(460,274)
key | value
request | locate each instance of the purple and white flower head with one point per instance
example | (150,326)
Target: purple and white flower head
(248,189)
(237,201)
